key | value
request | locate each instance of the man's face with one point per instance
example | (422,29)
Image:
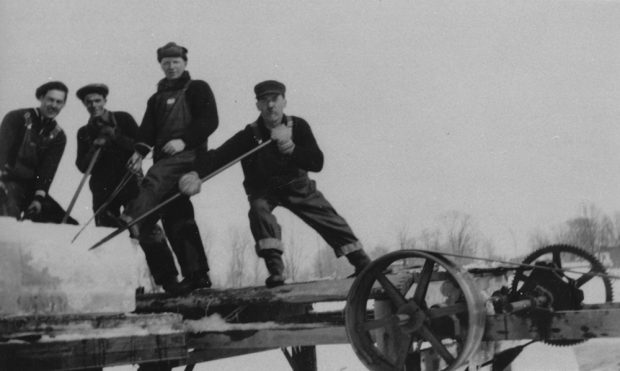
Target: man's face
(95,104)
(271,108)
(173,67)
(52,103)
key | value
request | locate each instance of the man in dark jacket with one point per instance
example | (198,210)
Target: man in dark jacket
(277,175)
(179,118)
(114,134)
(31,146)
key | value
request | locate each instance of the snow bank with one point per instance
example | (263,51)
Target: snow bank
(42,272)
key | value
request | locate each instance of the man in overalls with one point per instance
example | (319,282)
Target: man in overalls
(277,175)
(179,118)
(31,146)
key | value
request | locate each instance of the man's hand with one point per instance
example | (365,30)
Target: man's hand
(173,147)
(100,142)
(190,184)
(107,131)
(35,207)
(134,164)
(282,135)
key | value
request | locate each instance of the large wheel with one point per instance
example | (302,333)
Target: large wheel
(435,307)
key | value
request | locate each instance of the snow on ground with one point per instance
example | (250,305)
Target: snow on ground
(43,272)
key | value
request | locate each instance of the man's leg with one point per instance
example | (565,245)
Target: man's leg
(267,234)
(109,216)
(158,255)
(184,236)
(312,207)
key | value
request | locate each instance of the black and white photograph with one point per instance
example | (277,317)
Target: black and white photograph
(381,185)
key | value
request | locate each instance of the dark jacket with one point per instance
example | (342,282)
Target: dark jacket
(38,160)
(267,169)
(203,121)
(111,164)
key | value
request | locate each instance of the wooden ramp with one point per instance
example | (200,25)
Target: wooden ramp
(211,324)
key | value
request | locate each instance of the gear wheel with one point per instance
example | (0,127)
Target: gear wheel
(553,254)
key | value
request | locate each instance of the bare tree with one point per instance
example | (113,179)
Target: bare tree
(461,237)
(240,244)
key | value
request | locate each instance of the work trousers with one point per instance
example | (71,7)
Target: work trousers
(177,217)
(303,199)
(109,216)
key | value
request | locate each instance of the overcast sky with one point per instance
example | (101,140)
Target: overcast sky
(505,110)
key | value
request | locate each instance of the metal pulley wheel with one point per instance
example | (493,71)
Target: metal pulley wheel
(429,304)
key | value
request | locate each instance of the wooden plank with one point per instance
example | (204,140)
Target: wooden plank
(565,325)
(92,352)
(269,336)
(276,298)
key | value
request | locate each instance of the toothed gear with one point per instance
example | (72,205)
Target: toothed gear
(555,252)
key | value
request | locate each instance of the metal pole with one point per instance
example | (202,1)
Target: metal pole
(79,189)
(175,196)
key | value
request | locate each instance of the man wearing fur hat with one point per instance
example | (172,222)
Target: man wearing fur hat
(31,147)
(179,118)
(114,134)
(277,175)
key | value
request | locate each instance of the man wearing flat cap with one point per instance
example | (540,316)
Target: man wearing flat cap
(114,134)
(179,118)
(277,175)
(31,147)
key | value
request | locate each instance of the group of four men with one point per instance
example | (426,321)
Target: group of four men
(179,118)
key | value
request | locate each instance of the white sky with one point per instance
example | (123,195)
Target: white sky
(505,110)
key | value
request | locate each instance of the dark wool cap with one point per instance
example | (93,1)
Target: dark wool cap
(52,85)
(92,88)
(269,87)
(171,50)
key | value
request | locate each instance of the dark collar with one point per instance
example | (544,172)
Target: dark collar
(176,84)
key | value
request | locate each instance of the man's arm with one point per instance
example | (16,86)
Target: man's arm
(126,131)
(306,154)
(209,161)
(85,149)
(9,141)
(146,133)
(201,102)
(49,163)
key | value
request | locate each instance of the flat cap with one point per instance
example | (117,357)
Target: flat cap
(269,87)
(92,88)
(171,50)
(52,85)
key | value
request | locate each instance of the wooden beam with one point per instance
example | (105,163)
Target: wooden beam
(564,325)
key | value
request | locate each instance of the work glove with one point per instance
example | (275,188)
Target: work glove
(134,164)
(100,142)
(282,135)
(173,147)
(107,131)
(35,206)
(190,184)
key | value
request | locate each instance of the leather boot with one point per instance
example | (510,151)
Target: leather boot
(359,260)
(189,284)
(275,266)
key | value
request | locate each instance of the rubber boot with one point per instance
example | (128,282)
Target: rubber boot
(275,266)
(359,260)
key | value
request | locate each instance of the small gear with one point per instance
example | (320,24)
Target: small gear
(551,256)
